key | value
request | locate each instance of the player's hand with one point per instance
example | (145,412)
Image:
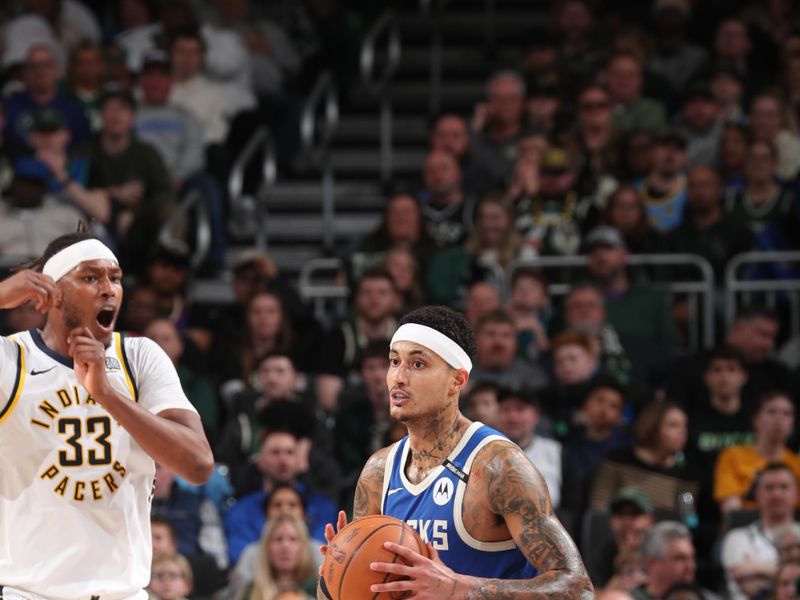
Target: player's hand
(28,285)
(89,356)
(428,578)
(341,521)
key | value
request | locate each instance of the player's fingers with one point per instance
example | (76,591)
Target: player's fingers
(394,586)
(329,533)
(433,553)
(396,568)
(341,522)
(406,553)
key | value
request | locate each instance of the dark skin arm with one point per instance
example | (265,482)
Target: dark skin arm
(173,438)
(514,491)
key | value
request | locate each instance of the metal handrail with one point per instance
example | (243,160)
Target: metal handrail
(236,177)
(388,23)
(317,293)
(385,24)
(192,201)
(323,93)
(705,287)
(769,286)
(316,146)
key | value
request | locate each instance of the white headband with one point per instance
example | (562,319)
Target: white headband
(64,261)
(442,345)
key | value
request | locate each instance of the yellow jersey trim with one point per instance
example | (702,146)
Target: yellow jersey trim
(16,391)
(126,368)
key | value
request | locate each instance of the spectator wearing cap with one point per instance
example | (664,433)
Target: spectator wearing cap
(748,553)
(497,125)
(497,360)
(700,123)
(632,308)
(656,463)
(674,58)
(630,515)
(623,75)
(549,220)
(446,209)
(66,172)
(86,74)
(664,188)
(178,138)
(29,216)
(133,176)
(518,417)
(40,75)
(707,230)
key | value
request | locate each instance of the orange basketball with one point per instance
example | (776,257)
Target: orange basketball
(345,572)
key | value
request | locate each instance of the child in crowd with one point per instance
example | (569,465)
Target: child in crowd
(171,577)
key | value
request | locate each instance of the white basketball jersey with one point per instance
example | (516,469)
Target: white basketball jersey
(75,488)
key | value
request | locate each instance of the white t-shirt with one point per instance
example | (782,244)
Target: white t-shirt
(545,454)
(750,543)
(75,489)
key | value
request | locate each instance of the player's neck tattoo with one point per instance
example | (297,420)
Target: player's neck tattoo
(438,438)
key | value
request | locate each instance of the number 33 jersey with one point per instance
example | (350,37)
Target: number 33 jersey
(75,488)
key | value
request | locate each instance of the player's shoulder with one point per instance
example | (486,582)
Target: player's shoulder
(139,347)
(501,455)
(376,463)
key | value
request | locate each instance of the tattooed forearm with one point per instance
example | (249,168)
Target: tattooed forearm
(542,587)
(519,495)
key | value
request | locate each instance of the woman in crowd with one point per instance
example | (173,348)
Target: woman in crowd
(284,560)
(737,466)
(655,464)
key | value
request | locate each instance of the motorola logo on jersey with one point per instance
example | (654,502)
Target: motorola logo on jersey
(443,491)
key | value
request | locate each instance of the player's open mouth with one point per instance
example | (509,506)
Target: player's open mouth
(105,318)
(398,397)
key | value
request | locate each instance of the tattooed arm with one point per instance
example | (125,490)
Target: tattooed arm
(515,491)
(518,493)
(367,500)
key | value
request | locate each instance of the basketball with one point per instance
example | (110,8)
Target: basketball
(345,572)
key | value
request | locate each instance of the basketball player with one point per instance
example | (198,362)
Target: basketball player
(84,413)
(470,493)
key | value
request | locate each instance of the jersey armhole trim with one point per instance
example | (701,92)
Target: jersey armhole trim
(387,472)
(19,382)
(119,342)
(461,488)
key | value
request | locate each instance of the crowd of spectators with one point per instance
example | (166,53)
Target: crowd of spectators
(622,128)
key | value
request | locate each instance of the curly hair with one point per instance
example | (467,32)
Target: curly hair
(447,321)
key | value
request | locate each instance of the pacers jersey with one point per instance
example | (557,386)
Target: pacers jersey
(75,488)
(434,506)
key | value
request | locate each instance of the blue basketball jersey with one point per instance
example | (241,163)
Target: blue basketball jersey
(433,508)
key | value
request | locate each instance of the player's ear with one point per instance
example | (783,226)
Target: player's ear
(58,297)
(460,378)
